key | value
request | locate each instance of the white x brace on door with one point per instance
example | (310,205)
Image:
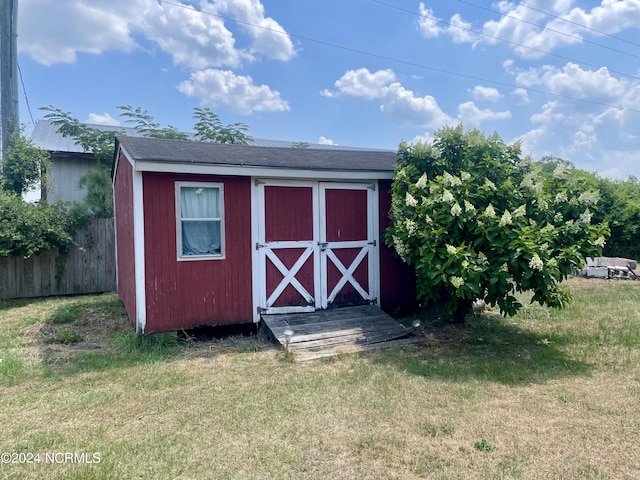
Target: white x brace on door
(315,245)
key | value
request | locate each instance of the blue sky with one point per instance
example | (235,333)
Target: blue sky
(562,76)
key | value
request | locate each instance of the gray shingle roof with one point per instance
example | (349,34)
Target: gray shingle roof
(200,153)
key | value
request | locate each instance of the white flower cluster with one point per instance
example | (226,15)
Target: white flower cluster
(457,282)
(400,247)
(412,227)
(586,216)
(490,211)
(468,206)
(559,172)
(506,218)
(536,262)
(451,180)
(464,176)
(451,250)
(588,198)
(490,184)
(456,210)
(600,241)
(561,197)
(422,181)
(410,200)
(528,181)
(520,211)
(447,196)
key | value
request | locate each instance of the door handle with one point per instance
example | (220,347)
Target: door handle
(323,246)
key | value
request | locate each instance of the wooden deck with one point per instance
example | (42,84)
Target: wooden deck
(332,332)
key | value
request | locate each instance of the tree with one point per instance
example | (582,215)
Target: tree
(99,197)
(478,221)
(23,166)
(209,128)
(147,127)
(621,210)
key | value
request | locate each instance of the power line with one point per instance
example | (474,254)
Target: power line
(403,62)
(502,39)
(576,37)
(574,23)
(24,90)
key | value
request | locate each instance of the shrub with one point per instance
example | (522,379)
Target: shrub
(478,221)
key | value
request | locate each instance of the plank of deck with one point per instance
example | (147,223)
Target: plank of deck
(312,355)
(333,332)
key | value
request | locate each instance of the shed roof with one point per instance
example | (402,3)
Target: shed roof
(45,135)
(170,152)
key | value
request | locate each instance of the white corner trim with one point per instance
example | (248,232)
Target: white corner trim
(255,256)
(138,248)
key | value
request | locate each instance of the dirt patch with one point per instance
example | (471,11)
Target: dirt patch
(55,343)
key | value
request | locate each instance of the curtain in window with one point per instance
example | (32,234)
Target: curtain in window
(200,216)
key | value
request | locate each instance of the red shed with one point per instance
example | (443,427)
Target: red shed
(211,234)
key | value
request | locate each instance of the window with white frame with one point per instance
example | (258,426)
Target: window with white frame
(200,220)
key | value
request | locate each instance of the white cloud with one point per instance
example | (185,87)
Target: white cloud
(548,115)
(326,141)
(88,27)
(361,83)
(238,93)
(103,119)
(489,94)
(408,109)
(531,33)
(270,40)
(574,81)
(428,22)
(191,38)
(426,137)
(404,107)
(521,94)
(471,116)
(460,30)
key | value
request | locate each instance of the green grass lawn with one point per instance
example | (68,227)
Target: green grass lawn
(547,394)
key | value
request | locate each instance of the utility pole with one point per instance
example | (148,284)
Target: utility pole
(10,121)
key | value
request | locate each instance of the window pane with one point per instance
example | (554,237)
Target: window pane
(200,238)
(199,202)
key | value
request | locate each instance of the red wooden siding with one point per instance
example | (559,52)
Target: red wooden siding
(397,279)
(123,194)
(186,294)
(289,217)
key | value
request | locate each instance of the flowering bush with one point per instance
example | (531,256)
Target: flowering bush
(477,221)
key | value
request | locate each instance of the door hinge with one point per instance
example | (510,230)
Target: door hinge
(373,242)
(259,246)
(261,310)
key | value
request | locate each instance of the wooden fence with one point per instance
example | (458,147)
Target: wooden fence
(88,268)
